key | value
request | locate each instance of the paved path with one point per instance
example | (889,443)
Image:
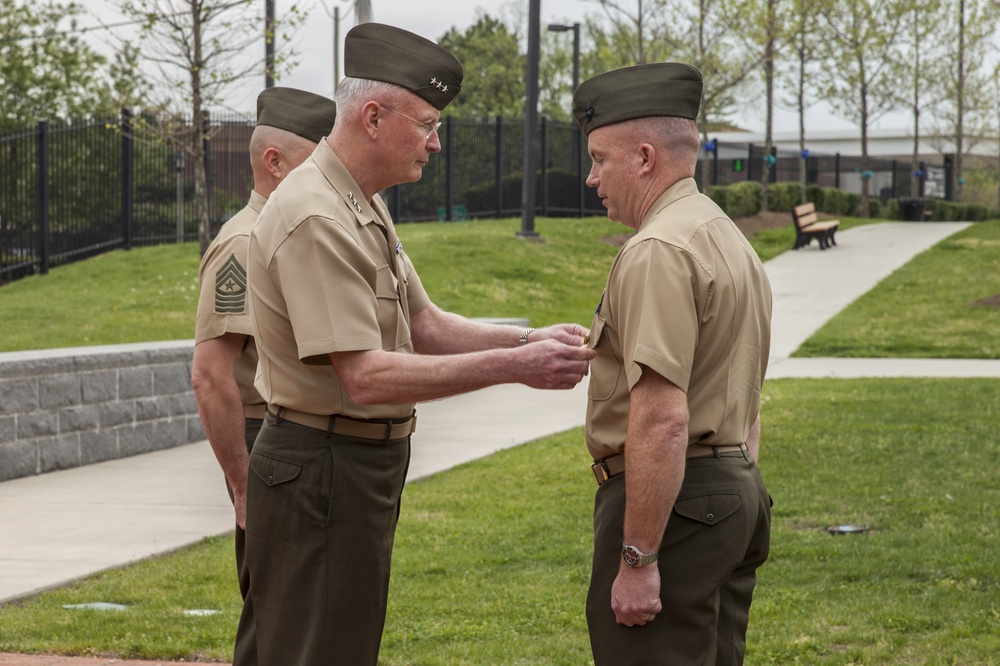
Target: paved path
(62,526)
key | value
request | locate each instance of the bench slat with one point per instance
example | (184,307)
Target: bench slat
(805,220)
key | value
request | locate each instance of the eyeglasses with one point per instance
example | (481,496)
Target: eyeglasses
(430,128)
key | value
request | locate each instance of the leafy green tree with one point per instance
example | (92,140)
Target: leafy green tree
(494,65)
(47,71)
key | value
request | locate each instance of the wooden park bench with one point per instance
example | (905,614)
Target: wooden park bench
(808,226)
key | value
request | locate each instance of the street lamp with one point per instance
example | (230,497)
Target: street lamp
(578,144)
(530,124)
(557,27)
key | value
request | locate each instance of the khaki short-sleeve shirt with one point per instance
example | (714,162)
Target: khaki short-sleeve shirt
(327,274)
(223,305)
(688,298)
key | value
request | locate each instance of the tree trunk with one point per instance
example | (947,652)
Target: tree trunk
(915,160)
(769,80)
(960,99)
(198,134)
(803,165)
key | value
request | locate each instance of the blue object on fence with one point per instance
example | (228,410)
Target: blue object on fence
(868,174)
(918,173)
(805,153)
(770,160)
(961,181)
(710,146)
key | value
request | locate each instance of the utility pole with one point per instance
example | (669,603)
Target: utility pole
(269,43)
(530,125)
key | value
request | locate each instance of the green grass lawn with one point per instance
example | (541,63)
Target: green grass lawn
(929,308)
(492,558)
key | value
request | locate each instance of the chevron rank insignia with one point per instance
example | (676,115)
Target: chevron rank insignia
(231,288)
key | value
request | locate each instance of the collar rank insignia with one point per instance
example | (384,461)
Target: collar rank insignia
(399,247)
(354,201)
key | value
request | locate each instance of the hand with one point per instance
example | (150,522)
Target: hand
(570,334)
(635,595)
(240,505)
(550,364)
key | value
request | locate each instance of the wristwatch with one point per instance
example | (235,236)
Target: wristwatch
(636,558)
(523,337)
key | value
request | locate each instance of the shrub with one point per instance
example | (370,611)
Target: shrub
(744,199)
(720,195)
(783,196)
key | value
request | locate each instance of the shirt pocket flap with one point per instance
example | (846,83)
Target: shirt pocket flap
(708,509)
(274,471)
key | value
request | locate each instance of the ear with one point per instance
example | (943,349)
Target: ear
(370,117)
(273,161)
(648,155)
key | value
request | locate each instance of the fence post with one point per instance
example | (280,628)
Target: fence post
(395,203)
(922,179)
(205,134)
(499,164)
(43,196)
(545,166)
(894,179)
(749,169)
(581,181)
(836,171)
(715,164)
(128,176)
(449,165)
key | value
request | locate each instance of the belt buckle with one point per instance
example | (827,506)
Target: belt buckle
(601,471)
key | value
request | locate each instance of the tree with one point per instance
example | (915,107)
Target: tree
(858,80)
(200,47)
(920,66)
(491,56)
(48,71)
(804,42)
(968,110)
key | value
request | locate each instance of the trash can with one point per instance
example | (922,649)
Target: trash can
(912,209)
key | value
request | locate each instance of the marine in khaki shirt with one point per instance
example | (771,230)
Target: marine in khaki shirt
(349,342)
(289,124)
(682,335)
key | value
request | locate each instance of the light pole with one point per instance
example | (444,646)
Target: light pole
(558,27)
(530,125)
(578,144)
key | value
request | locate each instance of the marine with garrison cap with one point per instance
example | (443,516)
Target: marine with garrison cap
(290,123)
(349,342)
(682,337)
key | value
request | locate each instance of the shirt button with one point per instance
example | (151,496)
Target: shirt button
(710,517)
(270,479)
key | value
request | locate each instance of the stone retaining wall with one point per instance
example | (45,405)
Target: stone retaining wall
(68,407)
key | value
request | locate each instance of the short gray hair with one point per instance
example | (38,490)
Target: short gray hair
(354,92)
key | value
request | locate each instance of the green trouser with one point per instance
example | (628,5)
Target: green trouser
(717,536)
(321,517)
(246,640)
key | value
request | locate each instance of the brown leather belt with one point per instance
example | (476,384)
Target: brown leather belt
(612,466)
(337,424)
(254,411)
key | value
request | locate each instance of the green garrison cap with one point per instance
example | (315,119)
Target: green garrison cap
(385,53)
(307,114)
(656,89)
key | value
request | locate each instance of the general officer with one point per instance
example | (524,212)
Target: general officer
(349,341)
(682,336)
(290,123)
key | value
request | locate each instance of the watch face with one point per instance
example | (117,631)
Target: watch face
(631,556)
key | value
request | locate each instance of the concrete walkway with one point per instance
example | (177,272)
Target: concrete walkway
(64,526)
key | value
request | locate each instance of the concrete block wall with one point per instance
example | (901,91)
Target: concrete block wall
(64,408)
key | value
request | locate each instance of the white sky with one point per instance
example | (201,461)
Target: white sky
(431,19)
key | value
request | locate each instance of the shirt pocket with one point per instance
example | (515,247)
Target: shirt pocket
(605,368)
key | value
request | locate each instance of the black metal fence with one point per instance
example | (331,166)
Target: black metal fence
(74,189)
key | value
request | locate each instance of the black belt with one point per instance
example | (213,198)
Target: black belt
(613,465)
(337,424)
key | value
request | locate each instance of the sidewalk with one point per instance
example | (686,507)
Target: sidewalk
(63,526)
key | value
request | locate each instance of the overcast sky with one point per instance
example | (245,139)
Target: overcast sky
(432,18)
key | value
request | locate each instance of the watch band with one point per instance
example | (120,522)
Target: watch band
(634,557)
(523,337)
